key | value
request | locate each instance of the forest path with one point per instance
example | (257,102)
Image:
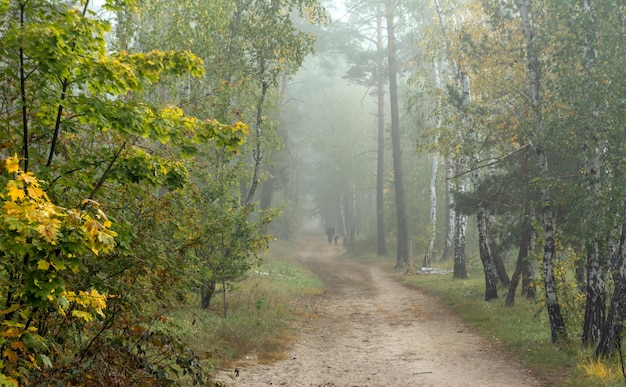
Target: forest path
(369,330)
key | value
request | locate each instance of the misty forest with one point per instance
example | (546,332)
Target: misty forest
(158,155)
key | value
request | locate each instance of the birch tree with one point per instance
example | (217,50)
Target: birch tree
(557,323)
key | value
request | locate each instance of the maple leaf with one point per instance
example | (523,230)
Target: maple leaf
(15,192)
(82,314)
(49,230)
(28,178)
(12,164)
(36,192)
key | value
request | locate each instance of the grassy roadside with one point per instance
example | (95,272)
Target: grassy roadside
(261,306)
(259,310)
(522,332)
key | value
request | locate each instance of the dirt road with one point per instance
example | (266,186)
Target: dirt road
(368,330)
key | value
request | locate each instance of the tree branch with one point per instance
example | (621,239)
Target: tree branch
(496,161)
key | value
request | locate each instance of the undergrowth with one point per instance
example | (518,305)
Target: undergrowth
(259,310)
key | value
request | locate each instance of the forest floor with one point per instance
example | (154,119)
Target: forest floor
(369,330)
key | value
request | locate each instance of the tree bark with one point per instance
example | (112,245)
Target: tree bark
(525,238)
(206,293)
(381,239)
(522,255)
(257,152)
(557,323)
(432,231)
(595,302)
(460,265)
(460,229)
(611,329)
(450,216)
(498,255)
(489,268)
(402,253)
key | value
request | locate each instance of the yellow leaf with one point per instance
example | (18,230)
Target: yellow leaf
(28,178)
(12,332)
(12,308)
(10,355)
(92,202)
(15,192)
(35,192)
(82,314)
(48,230)
(43,265)
(11,208)
(18,345)
(12,164)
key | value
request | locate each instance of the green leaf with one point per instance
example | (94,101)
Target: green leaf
(43,360)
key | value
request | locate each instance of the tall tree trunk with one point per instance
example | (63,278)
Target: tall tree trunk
(432,231)
(526,235)
(497,250)
(381,238)
(460,229)
(595,304)
(529,286)
(522,255)
(451,217)
(448,247)
(257,153)
(402,253)
(611,329)
(557,323)
(489,268)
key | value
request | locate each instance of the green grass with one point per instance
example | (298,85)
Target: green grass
(261,306)
(259,310)
(522,331)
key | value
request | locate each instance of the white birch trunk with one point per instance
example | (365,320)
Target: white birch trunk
(489,268)
(432,232)
(557,323)
(595,303)
(449,229)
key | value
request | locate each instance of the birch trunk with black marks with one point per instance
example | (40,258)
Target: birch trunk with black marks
(448,247)
(611,329)
(595,303)
(460,232)
(489,268)
(557,323)
(432,230)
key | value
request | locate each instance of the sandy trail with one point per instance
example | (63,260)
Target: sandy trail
(368,330)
